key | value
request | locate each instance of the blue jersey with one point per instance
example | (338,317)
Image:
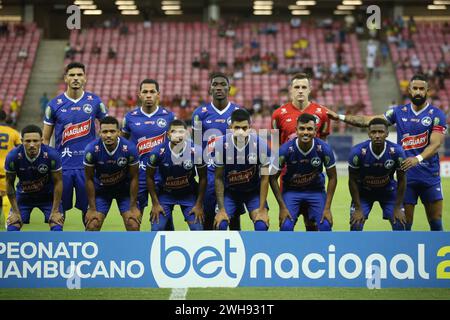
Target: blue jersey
(413,134)
(304,169)
(241,166)
(177,171)
(211,123)
(111,168)
(376,172)
(147,131)
(35,175)
(74,122)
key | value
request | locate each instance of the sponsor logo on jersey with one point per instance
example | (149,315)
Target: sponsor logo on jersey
(187,165)
(300,180)
(426,121)
(107,179)
(122,162)
(315,162)
(161,122)
(77,130)
(415,142)
(239,177)
(389,164)
(147,145)
(176,183)
(43,168)
(376,182)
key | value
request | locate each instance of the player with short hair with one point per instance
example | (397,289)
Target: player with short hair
(9,138)
(285,120)
(72,116)
(111,165)
(209,122)
(177,160)
(146,126)
(38,168)
(371,166)
(241,159)
(421,128)
(304,182)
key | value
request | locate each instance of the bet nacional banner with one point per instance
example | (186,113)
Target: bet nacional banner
(224,259)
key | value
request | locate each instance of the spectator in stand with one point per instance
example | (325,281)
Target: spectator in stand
(23,54)
(112,54)
(415,63)
(123,29)
(112,103)
(131,102)
(295,22)
(4,31)
(43,102)
(96,49)
(14,109)
(20,29)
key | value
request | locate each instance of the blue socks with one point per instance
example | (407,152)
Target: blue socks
(436,225)
(325,226)
(357,227)
(261,226)
(13,228)
(56,228)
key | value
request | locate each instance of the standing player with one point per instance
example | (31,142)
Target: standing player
(209,122)
(111,166)
(304,182)
(241,158)
(372,165)
(9,138)
(40,185)
(177,161)
(72,116)
(421,128)
(146,126)
(285,120)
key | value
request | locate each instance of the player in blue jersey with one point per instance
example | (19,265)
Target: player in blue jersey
(146,126)
(112,172)
(40,185)
(177,160)
(372,165)
(242,162)
(304,181)
(421,128)
(72,116)
(210,121)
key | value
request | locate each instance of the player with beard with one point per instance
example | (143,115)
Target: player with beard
(421,128)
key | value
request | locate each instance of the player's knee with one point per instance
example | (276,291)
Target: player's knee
(261,226)
(56,227)
(287,225)
(93,224)
(13,227)
(436,225)
(195,226)
(132,224)
(223,225)
(325,225)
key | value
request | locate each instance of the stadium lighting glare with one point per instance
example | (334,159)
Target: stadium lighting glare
(88,7)
(92,12)
(261,7)
(341,12)
(173,12)
(83,2)
(436,7)
(262,12)
(352,2)
(300,12)
(306,3)
(171,7)
(125,2)
(168,3)
(128,7)
(263,3)
(130,12)
(343,7)
(444,2)
(295,7)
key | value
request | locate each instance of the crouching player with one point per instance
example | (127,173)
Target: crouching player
(304,182)
(177,161)
(242,160)
(39,170)
(372,165)
(111,165)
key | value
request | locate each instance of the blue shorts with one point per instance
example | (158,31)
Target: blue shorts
(387,204)
(210,201)
(74,178)
(314,201)
(234,201)
(428,192)
(103,201)
(168,202)
(44,203)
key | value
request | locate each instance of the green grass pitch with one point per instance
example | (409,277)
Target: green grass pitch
(340,209)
